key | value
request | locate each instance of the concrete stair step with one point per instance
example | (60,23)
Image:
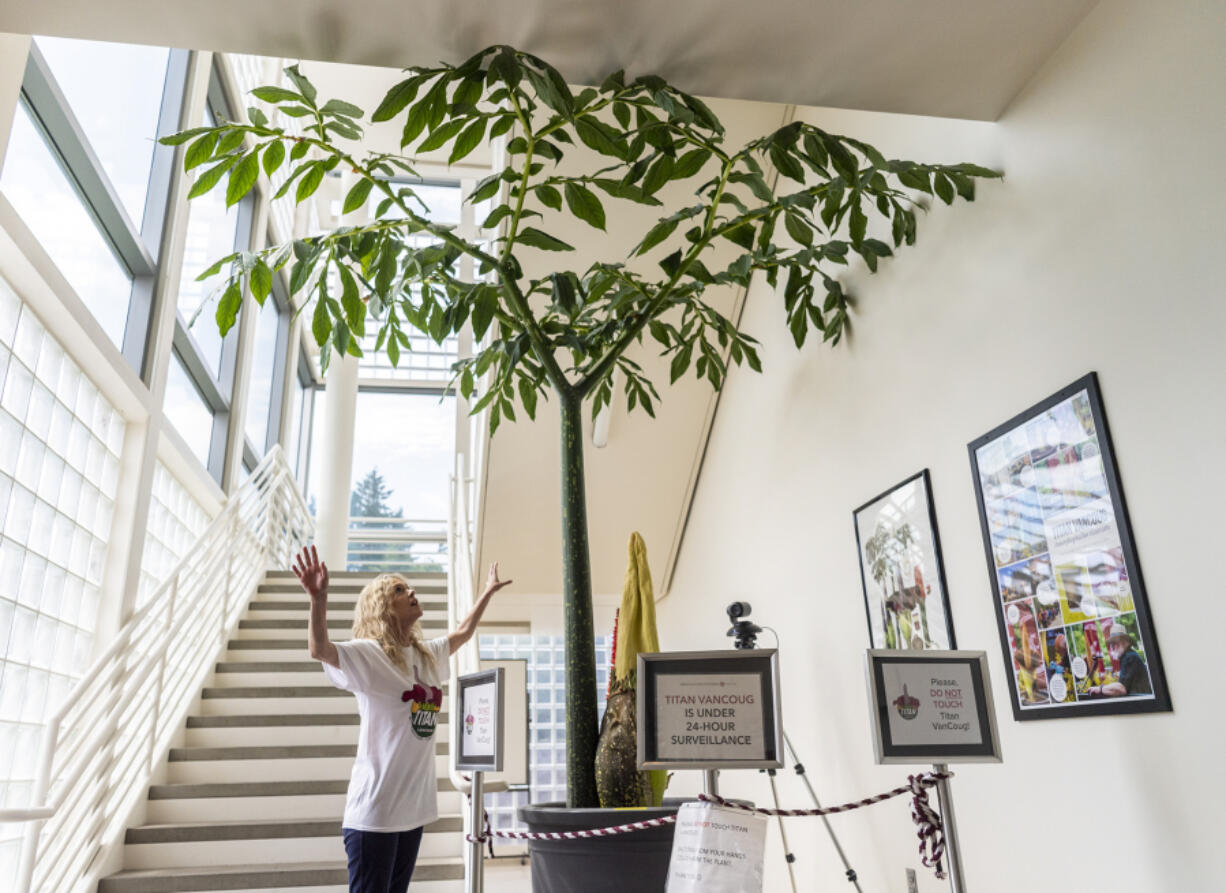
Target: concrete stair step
(302,605)
(274,752)
(274,706)
(266,801)
(300,623)
(339,629)
(266,674)
(260,769)
(279,720)
(364,576)
(259,830)
(268,877)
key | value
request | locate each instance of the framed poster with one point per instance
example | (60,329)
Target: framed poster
(932,707)
(514,720)
(1071,605)
(709,710)
(900,568)
(479,729)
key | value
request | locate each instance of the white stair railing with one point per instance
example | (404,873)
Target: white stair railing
(101,746)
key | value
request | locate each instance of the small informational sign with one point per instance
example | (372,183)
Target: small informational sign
(709,710)
(479,725)
(932,707)
(717,850)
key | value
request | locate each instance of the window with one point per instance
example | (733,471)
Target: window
(264,393)
(176,521)
(301,423)
(408,439)
(188,411)
(93,76)
(546,724)
(86,174)
(41,193)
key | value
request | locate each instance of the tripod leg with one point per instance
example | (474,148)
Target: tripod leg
(788,855)
(800,770)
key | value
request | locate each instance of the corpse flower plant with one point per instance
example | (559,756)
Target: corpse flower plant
(789,206)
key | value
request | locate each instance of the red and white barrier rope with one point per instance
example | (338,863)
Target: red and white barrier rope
(930,831)
(573,835)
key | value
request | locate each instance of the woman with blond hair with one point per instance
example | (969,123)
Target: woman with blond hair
(397,677)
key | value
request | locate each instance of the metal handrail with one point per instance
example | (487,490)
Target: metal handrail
(100,748)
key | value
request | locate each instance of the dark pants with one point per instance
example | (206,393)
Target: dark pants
(381,862)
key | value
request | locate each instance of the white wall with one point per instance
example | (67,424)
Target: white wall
(1101,250)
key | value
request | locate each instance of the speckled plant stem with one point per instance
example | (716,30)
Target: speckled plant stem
(581,720)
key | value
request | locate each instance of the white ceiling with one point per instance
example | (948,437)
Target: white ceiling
(953,58)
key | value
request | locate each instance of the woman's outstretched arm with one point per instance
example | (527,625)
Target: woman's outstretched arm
(465,630)
(313,575)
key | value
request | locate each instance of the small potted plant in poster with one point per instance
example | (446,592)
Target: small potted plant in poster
(901,570)
(1074,617)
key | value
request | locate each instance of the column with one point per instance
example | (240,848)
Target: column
(336,459)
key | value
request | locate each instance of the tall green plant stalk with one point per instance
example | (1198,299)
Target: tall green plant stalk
(567,332)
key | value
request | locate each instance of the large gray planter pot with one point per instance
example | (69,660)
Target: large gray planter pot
(636,862)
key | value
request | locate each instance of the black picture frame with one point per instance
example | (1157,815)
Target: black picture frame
(883,609)
(933,706)
(1065,575)
(762,665)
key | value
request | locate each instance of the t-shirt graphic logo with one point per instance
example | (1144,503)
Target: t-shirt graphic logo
(908,707)
(424,702)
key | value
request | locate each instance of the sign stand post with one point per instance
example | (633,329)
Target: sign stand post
(476,861)
(945,800)
(478,749)
(934,706)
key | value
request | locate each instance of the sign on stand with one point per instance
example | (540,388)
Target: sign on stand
(932,707)
(479,726)
(709,710)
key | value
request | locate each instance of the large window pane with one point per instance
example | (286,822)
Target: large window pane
(36,186)
(188,411)
(263,363)
(115,93)
(409,441)
(211,231)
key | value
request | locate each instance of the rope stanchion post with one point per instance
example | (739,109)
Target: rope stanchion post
(957,882)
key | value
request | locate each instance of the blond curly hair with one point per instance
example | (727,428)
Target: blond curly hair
(372,619)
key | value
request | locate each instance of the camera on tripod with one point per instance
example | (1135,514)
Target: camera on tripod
(744,632)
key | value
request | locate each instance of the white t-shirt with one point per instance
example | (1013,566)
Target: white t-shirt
(394,785)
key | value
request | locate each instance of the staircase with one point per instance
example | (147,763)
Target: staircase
(254,798)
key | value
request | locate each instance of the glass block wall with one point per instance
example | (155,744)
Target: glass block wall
(59,466)
(176,520)
(546,720)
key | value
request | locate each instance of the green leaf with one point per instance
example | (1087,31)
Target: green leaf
(321,323)
(506,67)
(300,149)
(944,189)
(242,177)
(468,140)
(486,189)
(618,189)
(200,151)
(357,196)
(858,222)
(597,135)
(786,164)
(275,94)
(621,112)
(396,99)
(441,135)
(484,306)
(502,125)
(660,172)
(178,139)
(309,183)
(230,140)
(257,117)
(534,238)
(527,396)
(228,306)
(797,228)
(273,156)
(549,197)
(216,268)
(393,351)
(656,235)
(261,281)
(305,87)
(340,107)
(680,363)
(211,177)
(355,310)
(584,204)
(691,163)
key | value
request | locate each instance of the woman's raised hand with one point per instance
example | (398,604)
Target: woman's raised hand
(492,583)
(311,573)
